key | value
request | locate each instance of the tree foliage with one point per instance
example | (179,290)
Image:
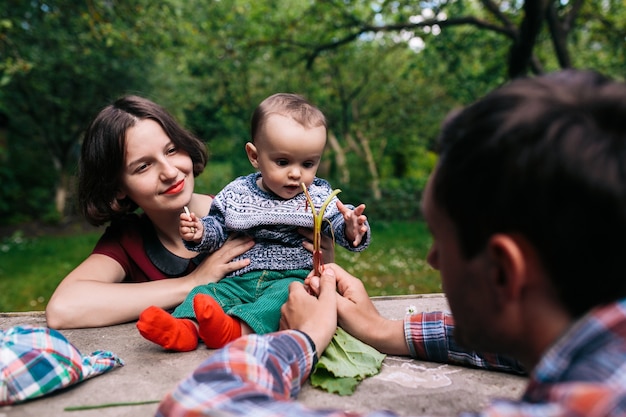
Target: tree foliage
(385,72)
(61,61)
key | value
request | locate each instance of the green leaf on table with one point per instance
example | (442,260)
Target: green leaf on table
(345,363)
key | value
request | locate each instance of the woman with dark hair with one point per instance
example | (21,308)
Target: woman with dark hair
(135,155)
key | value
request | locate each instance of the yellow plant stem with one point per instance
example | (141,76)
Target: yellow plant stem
(318,218)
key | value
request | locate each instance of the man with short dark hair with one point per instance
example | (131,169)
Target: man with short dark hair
(527,208)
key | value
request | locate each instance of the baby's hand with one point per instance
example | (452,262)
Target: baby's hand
(190,227)
(355,222)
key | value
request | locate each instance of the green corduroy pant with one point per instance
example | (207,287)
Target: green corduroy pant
(254,297)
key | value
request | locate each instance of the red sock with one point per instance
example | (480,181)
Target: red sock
(160,327)
(215,327)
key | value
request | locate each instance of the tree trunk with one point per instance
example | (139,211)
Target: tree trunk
(521,54)
(60,198)
(371,165)
(340,158)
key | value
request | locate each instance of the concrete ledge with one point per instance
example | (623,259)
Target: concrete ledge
(406,386)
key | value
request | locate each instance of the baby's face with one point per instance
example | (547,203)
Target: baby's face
(288,154)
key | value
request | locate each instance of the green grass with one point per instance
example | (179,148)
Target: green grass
(395,262)
(31,268)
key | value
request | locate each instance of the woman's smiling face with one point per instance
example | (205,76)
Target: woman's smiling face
(157,175)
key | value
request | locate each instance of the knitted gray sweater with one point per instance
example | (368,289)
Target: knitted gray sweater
(242,207)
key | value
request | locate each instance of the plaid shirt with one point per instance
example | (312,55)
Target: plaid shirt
(583,374)
(35,361)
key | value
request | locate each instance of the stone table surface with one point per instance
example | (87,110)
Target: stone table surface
(406,386)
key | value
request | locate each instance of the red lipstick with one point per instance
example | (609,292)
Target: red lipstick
(176,188)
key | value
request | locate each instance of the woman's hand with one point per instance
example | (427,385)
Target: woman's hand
(220,263)
(327,245)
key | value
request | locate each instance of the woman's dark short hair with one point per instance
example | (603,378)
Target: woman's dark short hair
(544,157)
(103,149)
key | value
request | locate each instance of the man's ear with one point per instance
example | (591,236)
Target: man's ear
(253,155)
(508,258)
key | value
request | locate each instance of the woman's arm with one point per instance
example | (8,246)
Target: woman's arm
(93,294)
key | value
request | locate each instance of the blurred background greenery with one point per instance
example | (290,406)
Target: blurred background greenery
(33,261)
(385,72)
(32,267)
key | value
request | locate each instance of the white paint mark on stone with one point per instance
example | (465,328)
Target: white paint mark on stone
(408,374)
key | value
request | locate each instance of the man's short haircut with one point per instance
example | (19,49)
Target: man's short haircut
(545,158)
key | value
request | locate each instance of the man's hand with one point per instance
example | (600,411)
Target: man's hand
(354,306)
(357,314)
(314,315)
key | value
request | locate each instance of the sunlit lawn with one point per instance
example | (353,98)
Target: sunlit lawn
(394,264)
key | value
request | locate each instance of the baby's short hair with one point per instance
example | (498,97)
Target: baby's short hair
(286,104)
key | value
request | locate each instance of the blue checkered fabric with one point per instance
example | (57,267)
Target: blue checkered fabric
(35,361)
